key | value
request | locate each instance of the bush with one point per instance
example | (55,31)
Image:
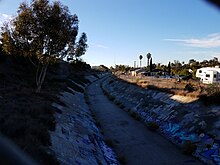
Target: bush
(213,98)
(189,88)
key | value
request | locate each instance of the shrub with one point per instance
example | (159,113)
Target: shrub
(189,87)
(210,99)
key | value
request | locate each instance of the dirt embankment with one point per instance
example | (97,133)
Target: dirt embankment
(27,117)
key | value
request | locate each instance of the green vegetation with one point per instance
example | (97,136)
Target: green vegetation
(140,58)
(189,87)
(148,58)
(211,95)
(32,72)
(172,68)
(43,33)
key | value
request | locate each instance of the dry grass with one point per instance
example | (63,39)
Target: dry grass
(189,88)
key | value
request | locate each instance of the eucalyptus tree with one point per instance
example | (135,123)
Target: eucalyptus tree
(42,31)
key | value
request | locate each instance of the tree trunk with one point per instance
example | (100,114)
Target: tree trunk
(40,76)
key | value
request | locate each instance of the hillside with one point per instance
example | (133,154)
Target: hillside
(28,118)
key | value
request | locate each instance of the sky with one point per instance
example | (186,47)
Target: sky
(119,31)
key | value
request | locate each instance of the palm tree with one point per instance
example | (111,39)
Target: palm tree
(169,69)
(140,57)
(151,65)
(148,58)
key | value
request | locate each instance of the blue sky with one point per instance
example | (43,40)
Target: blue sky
(120,30)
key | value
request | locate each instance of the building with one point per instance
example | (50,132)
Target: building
(209,75)
(137,72)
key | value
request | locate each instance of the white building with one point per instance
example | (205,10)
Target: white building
(137,71)
(209,75)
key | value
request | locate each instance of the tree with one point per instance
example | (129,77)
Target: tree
(191,61)
(169,68)
(41,32)
(81,46)
(151,65)
(148,58)
(140,57)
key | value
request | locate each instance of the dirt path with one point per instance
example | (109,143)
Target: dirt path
(131,138)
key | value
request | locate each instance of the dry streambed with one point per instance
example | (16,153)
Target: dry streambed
(77,139)
(184,121)
(133,143)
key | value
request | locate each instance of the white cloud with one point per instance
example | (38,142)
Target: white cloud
(211,41)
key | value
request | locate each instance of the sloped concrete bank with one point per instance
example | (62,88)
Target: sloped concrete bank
(77,139)
(179,122)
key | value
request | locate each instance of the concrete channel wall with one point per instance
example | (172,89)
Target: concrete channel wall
(77,139)
(181,123)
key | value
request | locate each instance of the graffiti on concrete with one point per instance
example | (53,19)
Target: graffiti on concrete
(178,122)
